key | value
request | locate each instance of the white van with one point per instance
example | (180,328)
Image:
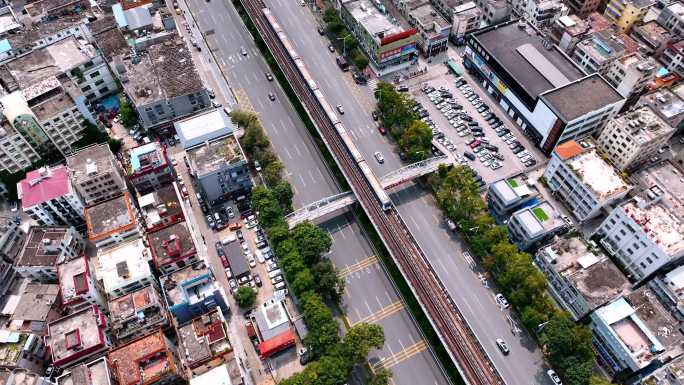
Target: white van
(274,273)
(260,256)
(279,286)
(230,238)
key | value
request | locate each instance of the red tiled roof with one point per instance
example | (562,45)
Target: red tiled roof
(568,149)
(45,188)
(277,343)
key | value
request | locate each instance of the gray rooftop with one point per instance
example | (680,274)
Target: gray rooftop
(271,319)
(202,338)
(366,14)
(58,103)
(203,127)
(42,246)
(511,190)
(581,97)
(659,321)
(428,16)
(173,282)
(91,373)
(539,219)
(503,41)
(78,329)
(109,217)
(90,162)
(35,303)
(238,263)
(213,156)
(171,243)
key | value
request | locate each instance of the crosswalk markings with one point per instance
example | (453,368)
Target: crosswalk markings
(382,313)
(400,356)
(373,83)
(358,266)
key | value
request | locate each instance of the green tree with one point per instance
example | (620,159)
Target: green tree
(284,194)
(278,233)
(265,203)
(359,58)
(303,282)
(395,108)
(328,283)
(360,339)
(319,320)
(333,370)
(272,173)
(312,241)
(245,297)
(128,115)
(115,145)
(380,377)
(90,134)
(599,380)
(416,141)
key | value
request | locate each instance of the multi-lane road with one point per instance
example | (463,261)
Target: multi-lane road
(370,295)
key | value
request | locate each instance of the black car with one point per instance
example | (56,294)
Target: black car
(257,280)
(321,31)
(238,234)
(478,134)
(518,149)
(262,245)
(403,89)
(491,147)
(467,118)
(469,155)
(374,114)
(476,129)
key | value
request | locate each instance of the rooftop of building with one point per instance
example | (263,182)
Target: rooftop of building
(673,370)
(203,338)
(190,284)
(160,205)
(42,247)
(203,127)
(669,104)
(467,8)
(664,181)
(171,243)
(44,185)
(372,20)
(73,278)
(652,31)
(576,99)
(91,373)
(123,263)
(112,43)
(129,305)
(638,62)
(642,124)
(214,155)
(54,7)
(91,162)
(238,263)
(659,223)
(58,103)
(427,16)
(591,273)
(539,219)
(524,55)
(55,59)
(413,4)
(513,189)
(271,318)
(658,320)
(675,279)
(597,175)
(142,361)
(34,306)
(606,45)
(110,217)
(676,8)
(148,156)
(81,331)
(12,346)
(163,72)
(22,377)
(33,31)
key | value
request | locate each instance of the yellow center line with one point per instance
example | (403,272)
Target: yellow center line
(358,266)
(382,313)
(401,356)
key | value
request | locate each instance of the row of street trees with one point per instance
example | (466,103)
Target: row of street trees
(567,345)
(335,27)
(314,280)
(396,113)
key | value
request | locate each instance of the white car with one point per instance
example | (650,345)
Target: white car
(501,300)
(252,262)
(554,377)
(378,156)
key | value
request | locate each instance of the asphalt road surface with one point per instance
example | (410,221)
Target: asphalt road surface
(370,295)
(524,365)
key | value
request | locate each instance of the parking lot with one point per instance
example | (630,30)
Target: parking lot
(466,124)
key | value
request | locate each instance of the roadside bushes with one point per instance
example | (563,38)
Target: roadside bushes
(338,31)
(566,344)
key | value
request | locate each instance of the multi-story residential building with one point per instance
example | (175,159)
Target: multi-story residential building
(162,87)
(672,57)
(670,290)
(96,173)
(433,29)
(191,292)
(568,31)
(37,305)
(538,85)
(631,76)
(389,47)
(582,8)
(16,153)
(671,373)
(96,372)
(149,167)
(540,13)
(531,226)
(583,180)
(161,208)
(204,343)
(151,359)
(627,13)
(137,314)
(494,11)
(630,139)
(203,128)
(172,247)
(48,197)
(465,19)
(445,7)
(672,18)
(78,284)
(644,234)
(581,278)
(44,248)
(633,331)
(113,221)
(124,268)
(600,49)
(651,36)
(22,351)
(668,105)
(509,195)
(12,239)
(77,337)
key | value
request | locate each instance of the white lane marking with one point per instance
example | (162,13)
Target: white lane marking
(313,180)
(288,153)
(302,179)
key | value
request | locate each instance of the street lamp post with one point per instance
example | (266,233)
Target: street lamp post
(344,44)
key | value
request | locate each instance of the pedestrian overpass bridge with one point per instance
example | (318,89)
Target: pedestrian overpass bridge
(331,204)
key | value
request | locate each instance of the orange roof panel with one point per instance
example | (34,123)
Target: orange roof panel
(568,149)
